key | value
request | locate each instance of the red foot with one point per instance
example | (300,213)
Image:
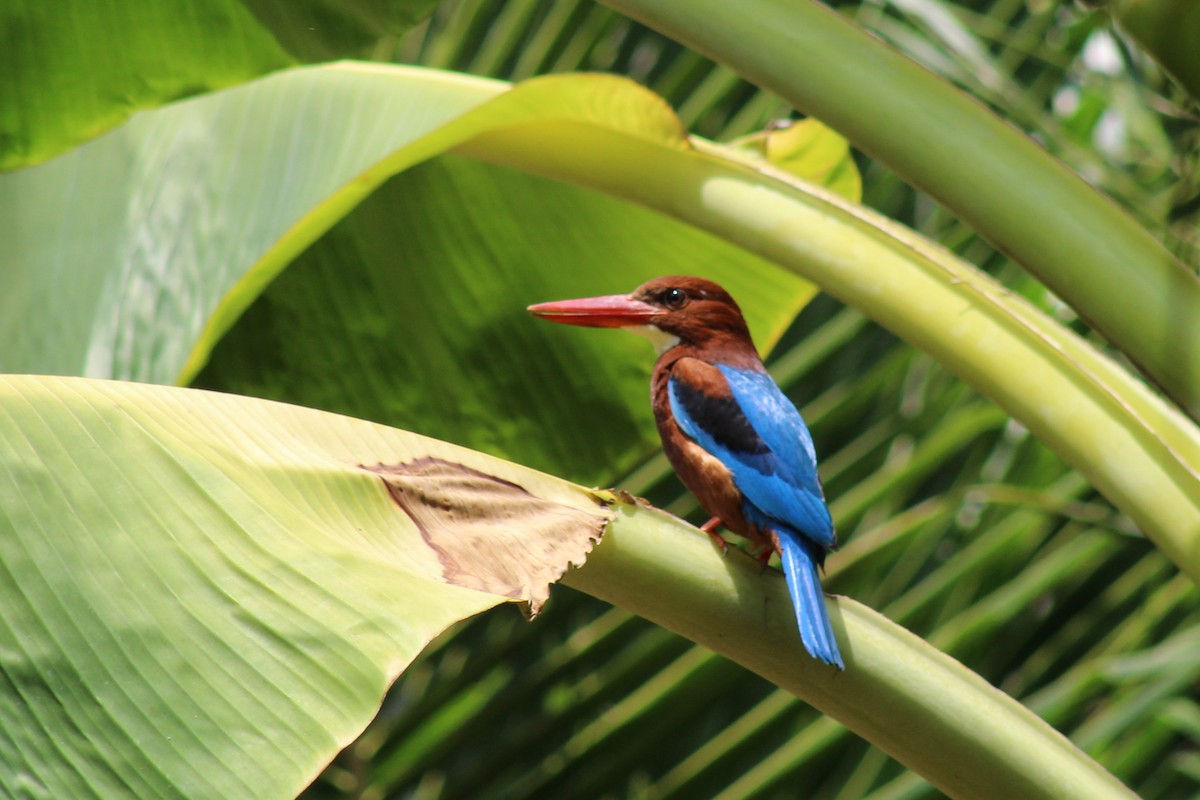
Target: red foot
(710,528)
(764,555)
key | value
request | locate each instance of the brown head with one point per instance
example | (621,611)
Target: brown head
(670,311)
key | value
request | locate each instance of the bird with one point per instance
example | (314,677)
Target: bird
(732,436)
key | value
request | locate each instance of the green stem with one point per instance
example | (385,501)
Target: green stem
(917,704)
(1139,451)
(1080,244)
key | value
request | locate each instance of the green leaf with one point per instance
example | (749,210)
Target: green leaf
(206,596)
(811,150)
(197,206)
(75,68)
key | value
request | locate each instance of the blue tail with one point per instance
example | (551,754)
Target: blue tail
(800,570)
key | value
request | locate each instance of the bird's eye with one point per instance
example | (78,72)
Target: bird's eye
(673,298)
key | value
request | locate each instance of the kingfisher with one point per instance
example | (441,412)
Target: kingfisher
(734,439)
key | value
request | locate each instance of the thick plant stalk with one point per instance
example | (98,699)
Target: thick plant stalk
(921,706)
(1143,454)
(1075,240)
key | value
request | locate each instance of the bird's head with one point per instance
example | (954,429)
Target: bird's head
(669,311)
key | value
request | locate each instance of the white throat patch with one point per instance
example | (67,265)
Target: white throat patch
(661,340)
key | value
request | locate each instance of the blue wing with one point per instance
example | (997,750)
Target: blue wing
(741,418)
(758,434)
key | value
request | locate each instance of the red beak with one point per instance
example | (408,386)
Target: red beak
(613,311)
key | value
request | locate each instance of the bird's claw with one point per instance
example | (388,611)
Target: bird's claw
(710,528)
(763,556)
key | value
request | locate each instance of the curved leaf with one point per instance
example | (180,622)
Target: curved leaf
(811,150)
(1110,270)
(206,596)
(135,242)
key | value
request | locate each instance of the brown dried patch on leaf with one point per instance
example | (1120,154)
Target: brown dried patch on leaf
(491,534)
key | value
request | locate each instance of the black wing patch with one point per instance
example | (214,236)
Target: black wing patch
(721,418)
